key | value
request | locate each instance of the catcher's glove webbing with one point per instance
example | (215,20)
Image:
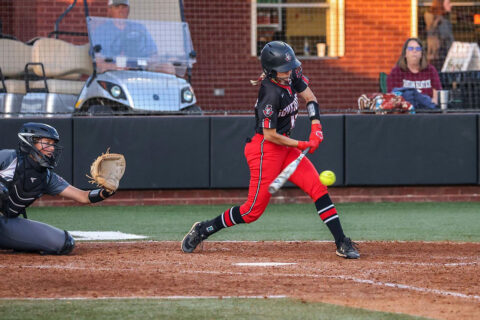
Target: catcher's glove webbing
(107,170)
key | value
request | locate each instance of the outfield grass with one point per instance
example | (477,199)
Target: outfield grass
(361,221)
(230,309)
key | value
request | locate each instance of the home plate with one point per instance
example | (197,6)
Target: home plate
(104,235)
(263,264)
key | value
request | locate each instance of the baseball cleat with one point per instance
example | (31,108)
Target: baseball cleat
(347,249)
(193,238)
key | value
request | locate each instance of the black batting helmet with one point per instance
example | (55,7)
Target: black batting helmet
(30,133)
(277,56)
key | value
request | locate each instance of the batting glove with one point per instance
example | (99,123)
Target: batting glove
(313,145)
(316,134)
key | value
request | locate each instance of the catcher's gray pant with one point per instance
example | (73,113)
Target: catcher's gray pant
(27,235)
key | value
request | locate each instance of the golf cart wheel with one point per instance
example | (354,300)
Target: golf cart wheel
(194,109)
(98,109)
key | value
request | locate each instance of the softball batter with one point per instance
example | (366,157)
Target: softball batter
(271,149)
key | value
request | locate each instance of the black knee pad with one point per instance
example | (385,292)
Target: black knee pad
(68,245)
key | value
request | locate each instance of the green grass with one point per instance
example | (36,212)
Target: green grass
(186,309)
(361,221)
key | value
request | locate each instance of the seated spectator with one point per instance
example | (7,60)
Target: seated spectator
(412,71)
(122,37)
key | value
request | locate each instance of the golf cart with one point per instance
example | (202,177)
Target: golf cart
(138,70)
(141,69)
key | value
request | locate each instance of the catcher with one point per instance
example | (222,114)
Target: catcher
(27,173)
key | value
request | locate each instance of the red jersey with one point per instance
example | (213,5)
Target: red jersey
(277,104)
(424,81)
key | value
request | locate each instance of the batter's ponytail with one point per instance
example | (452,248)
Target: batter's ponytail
(256,82)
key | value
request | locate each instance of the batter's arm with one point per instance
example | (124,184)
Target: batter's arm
(272,136)
(307,95)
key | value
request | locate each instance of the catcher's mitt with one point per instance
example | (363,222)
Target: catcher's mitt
(107,170)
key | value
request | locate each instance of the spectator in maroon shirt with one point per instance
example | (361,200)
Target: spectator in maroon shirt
(413,71)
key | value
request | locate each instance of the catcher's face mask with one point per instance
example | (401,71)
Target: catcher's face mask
(45,151)
(49,149)
(40,141)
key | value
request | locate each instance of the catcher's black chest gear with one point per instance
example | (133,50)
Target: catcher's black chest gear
(277,104)
(28,184)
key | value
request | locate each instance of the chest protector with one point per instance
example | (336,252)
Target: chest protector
(28,184)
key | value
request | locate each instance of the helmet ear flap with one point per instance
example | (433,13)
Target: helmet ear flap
(270,74)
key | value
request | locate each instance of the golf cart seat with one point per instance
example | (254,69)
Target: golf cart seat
(15,55)
(58,67)
(61,61)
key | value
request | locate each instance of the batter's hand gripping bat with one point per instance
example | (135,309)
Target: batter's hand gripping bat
(286,173)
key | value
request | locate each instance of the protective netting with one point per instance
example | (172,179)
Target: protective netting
(82,57)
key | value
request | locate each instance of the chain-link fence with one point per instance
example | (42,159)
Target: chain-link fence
(84,57)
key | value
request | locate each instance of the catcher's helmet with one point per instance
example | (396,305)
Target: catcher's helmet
(277,56)
(30,133)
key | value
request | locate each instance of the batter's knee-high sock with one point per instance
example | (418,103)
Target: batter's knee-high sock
(328,214)
(227,219)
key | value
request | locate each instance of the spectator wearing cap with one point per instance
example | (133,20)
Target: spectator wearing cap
(119,37)
(118,9)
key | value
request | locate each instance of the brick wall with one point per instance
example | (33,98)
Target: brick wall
(27,19)
(374,33)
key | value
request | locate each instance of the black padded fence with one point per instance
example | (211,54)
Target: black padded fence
(201,152)
(161,152)
(411,150)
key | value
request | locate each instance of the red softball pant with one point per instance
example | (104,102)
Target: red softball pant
(266,160)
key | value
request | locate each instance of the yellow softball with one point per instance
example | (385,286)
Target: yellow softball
(327,178)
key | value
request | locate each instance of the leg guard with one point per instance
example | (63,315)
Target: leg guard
(69,244)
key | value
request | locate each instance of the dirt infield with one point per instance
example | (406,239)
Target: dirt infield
(437,280)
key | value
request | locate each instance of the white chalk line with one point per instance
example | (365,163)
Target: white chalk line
(263,264)
(357,280)
(430,264)
(153,297)
(68,267)
(131,262)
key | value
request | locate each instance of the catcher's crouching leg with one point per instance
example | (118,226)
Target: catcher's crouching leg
(69,244)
